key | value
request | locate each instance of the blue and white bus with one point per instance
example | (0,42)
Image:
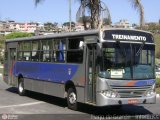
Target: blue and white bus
(97,67)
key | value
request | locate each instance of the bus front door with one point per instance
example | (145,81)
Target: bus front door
(12,60)
(91,74)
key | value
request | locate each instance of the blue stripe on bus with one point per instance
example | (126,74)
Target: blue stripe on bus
(141,82)
(145,82)
(45,71)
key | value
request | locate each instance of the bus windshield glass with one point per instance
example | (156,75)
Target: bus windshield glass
(127,61)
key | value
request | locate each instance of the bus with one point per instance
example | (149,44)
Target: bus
(111,67)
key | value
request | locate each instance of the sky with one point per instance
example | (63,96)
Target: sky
(58,10)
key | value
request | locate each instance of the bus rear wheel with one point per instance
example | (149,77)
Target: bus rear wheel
(21,89)
(72,99)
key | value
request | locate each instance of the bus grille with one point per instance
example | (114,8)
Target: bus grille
(131,92)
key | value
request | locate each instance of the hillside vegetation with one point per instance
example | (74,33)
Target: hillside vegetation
(157,42)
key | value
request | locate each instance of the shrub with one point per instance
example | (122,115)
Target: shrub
(158,82)
(18,35)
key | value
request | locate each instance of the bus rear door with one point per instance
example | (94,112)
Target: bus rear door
(11,62)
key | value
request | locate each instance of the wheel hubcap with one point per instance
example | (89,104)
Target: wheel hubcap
(20,87)
(72,98)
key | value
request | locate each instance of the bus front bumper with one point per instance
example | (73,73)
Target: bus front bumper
(102,100)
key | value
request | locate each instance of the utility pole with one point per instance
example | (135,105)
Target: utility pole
(70,15)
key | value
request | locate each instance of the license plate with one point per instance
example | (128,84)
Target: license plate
(132,101)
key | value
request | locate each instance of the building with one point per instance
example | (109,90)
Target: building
(12,26)
(4,28)
(24,27)
(122,24)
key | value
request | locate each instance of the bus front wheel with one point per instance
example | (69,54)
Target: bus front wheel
(21,89)
(72,99)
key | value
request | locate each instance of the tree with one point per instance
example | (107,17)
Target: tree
(50,26)
(106,21)
(37,2)
(68,24)
(18,35)
(96,9)
(139,7)
(2,39)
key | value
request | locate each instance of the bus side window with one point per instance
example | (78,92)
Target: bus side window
(27,51)
(35,51)
(75,50)
(59,52)
(55,49)
(46,50)
(20,49)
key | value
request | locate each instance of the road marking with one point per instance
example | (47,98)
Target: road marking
(21,105)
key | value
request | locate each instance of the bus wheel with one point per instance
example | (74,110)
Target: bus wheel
(21,89)
(72,99)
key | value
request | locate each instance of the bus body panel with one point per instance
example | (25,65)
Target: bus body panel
(45,87)
(59,73)
(48,78)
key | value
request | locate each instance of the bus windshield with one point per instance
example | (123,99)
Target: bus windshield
(127,61)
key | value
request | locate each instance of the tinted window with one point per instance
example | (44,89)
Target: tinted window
(59,52)
(35,50)
(75,50)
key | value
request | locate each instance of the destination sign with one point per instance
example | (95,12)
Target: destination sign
(128,35)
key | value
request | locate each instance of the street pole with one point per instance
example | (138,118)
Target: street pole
(70,14)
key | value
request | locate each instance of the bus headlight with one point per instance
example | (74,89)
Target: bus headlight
(109,93)
(150,93)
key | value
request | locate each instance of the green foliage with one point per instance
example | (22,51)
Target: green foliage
(18,35)
(2,39)
(158,82)
(154,27)
(50,26)
(157,42)
(68,24)
(106,21)
(158,90)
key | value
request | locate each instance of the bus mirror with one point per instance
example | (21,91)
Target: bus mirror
(91,39)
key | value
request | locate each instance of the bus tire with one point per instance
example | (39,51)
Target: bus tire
(21,90)
(72,99)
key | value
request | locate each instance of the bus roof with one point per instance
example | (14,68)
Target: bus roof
(56,35)
(70,34)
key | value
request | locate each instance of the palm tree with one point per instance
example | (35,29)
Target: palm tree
(138,6)
(37,2)
(95,9)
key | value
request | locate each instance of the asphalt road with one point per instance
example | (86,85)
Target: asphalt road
(37,106)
